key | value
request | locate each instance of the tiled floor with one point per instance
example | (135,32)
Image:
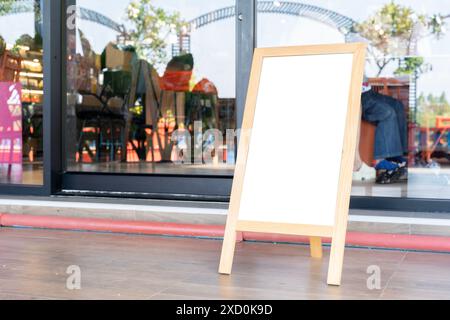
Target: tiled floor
(27,174)
(429,183)
(33,265)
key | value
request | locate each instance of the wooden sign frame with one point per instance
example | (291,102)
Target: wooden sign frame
(337,232)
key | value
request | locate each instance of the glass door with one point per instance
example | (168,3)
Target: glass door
(21,93)
(150,92)
(404,141)
(150,87)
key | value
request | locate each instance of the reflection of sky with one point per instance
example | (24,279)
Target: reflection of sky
(11,34)
(213,46)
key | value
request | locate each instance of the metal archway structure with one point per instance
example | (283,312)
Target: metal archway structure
(331,18)
(26,6)
(335,20)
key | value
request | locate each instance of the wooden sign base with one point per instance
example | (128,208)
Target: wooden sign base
(315,233)
(348,62)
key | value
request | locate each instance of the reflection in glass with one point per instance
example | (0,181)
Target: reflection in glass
(21,92)
(150,87)
(404,137)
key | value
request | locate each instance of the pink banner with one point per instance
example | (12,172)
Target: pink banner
(10,123)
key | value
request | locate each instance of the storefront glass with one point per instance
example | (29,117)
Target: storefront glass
(405,139)
(21,92)
(151,87)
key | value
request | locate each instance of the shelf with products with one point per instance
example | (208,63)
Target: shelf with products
(31,76)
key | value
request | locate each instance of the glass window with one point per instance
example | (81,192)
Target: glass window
(404,148)
(21,92)
(151,87)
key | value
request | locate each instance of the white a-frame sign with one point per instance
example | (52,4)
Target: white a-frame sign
(297,147)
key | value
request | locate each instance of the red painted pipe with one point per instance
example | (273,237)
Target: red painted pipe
(399,241)
(393,241)
(378,240)
(119,226)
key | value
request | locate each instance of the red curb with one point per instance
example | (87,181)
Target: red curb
(400,241)
(391,241)
(119,226)
(379,240)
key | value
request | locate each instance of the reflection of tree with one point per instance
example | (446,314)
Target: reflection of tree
(413,66)
(394,30)
(16,6)
(2,45)
(6,6)
(153,29)
(431,106)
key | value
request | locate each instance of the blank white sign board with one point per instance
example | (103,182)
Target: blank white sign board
(298,141)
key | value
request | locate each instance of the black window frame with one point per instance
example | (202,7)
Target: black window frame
(51,33)
(167,186)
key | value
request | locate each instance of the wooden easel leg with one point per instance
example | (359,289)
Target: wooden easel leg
(315,244)
(336,258)
(229,245)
